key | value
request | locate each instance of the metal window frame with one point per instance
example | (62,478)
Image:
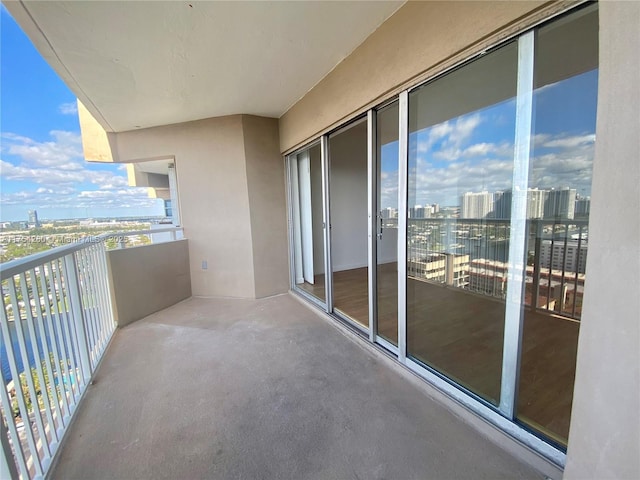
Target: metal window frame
(514,303)
(403,186)
(289,159)
(326,223)
(372,220)
(326,158)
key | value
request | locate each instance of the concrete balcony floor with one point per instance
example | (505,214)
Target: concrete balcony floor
(224,388)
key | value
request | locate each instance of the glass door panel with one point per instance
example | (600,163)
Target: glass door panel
(559,199)
(386,237)
(460,169)
(308,243)
(349,215)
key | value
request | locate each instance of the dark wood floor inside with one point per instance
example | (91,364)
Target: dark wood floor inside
(460,334)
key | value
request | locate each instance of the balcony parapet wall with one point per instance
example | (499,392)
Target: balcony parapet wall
(147,279)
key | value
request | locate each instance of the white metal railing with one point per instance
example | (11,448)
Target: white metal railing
(56,323)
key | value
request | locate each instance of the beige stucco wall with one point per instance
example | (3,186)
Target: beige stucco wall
(147,279)
(214,201)
(267,205)
(232,199)
(418,38)
(604,441)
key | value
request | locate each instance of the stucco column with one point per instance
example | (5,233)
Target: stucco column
(604,441)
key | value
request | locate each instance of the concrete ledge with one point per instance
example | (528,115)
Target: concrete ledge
(147,279)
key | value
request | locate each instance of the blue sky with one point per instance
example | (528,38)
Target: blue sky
(42,164)
(474,152)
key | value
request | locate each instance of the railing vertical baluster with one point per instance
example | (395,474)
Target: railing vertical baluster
(565,246)
(17,383)
(37,357)
(105,280)
(81,268)
(66,386)
(90,309)
(45,363)
(98,277)
(97,295)
(77,315)
(21,460)
(93,311)
(575,281)
(535,286)
(69,331)
(550,277)
(92,304)
(103,294)
(33,392)
(46,313)
(57,344)
(7,468)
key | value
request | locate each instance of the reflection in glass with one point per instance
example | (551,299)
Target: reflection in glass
(461,138)
(349,229)
(306,201)
(565,95)
(387,223)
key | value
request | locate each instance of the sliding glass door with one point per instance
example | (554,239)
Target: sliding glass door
(460,159)
(559,190)
(451,224)
(348,212)
(307,207)
(385,235)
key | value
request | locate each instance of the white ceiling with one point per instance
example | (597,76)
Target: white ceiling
(142,64)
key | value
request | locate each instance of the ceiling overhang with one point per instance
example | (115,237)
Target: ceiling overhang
(143,64)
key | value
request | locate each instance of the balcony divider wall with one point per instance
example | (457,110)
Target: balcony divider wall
(478,239)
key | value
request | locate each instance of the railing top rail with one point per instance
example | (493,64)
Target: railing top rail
(544,221)
(14,267)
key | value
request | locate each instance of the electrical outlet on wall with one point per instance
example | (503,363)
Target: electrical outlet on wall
(204,265)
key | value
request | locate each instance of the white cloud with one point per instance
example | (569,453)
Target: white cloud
(70,108)
(452,133)
(54,176)
(558,160)
(58,168)
(571,142)
(63,153)
(69,198)
(463,128)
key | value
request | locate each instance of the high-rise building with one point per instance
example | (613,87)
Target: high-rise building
(560,203)
(535,203)
(33,219)
(502,204)
(418,211)
(554,256)
(476,205)
(389,212)
(583,206)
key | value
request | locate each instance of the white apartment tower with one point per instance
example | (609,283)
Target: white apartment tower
(476,205)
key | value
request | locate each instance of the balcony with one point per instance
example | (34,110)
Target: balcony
(213,388)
